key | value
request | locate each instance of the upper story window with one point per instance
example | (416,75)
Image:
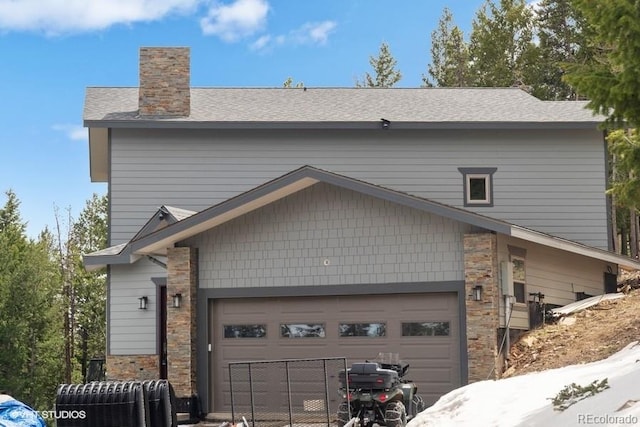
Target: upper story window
(478,186)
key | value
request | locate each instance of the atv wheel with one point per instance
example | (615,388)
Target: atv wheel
(417,405)
(343,414)
(395,415)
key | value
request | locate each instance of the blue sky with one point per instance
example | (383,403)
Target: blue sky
(51,50)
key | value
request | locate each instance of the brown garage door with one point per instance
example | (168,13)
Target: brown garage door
(422,328)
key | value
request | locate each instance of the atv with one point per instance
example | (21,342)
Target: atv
(376,393)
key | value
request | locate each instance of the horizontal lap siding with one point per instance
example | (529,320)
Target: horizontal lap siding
(558,275)
(131,330)
(550,181)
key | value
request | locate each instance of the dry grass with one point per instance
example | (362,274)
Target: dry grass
(597,333)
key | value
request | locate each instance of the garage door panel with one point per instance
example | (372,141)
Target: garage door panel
(434,360)
(435,375)
(433,352)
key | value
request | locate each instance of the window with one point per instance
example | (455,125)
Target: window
(519,279)
(425,329)
(245,331)
(362,329)
(478,186)
(302,330)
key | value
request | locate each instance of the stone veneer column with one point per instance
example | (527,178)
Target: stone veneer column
(481,268)
(182,267)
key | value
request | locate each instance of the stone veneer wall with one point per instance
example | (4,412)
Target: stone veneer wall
(132,367)
(182,276)
(481,268)
(165,82)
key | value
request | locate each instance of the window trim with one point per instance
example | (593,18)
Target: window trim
(474,173)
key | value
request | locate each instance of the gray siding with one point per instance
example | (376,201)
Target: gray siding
(551,181)
(365,240)
(133,331)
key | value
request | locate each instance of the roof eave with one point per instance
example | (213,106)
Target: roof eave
(393,125)
(573,247)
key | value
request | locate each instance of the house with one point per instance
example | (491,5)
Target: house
(268,223)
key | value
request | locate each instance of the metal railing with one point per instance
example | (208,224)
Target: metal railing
(279,393)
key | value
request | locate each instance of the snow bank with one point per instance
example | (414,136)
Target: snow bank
(526,400)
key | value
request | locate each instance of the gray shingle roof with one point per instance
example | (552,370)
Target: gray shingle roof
(111,107)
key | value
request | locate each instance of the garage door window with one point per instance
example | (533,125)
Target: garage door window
(302,330)
(363,329)
(425,329)
(245,331)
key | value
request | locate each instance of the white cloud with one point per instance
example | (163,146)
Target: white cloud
(236,20)
(261,43)
(318,32)
(73,132)
(309,33)
(71,16)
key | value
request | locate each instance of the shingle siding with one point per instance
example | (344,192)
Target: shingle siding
(363,239)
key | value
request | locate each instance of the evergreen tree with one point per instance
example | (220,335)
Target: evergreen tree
(449,55)
(30,351)
(89,234)
(384,69)
(564,39)
(611,82)
(501,48)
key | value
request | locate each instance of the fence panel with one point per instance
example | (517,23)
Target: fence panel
(292,393)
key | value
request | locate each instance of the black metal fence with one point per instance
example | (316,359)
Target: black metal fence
(278,393)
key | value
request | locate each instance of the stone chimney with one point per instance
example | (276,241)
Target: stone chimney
(165,87)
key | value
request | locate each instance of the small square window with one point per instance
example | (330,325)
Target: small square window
(478,189)
(478,186)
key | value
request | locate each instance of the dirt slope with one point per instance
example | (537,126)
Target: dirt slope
(597,333)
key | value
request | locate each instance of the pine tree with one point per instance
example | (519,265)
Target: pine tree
(384,69)
(564,40)
(89,234)
(501,47)
(30,351)
(611,82)
(449,55)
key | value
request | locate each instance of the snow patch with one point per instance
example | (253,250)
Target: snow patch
(526,400)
